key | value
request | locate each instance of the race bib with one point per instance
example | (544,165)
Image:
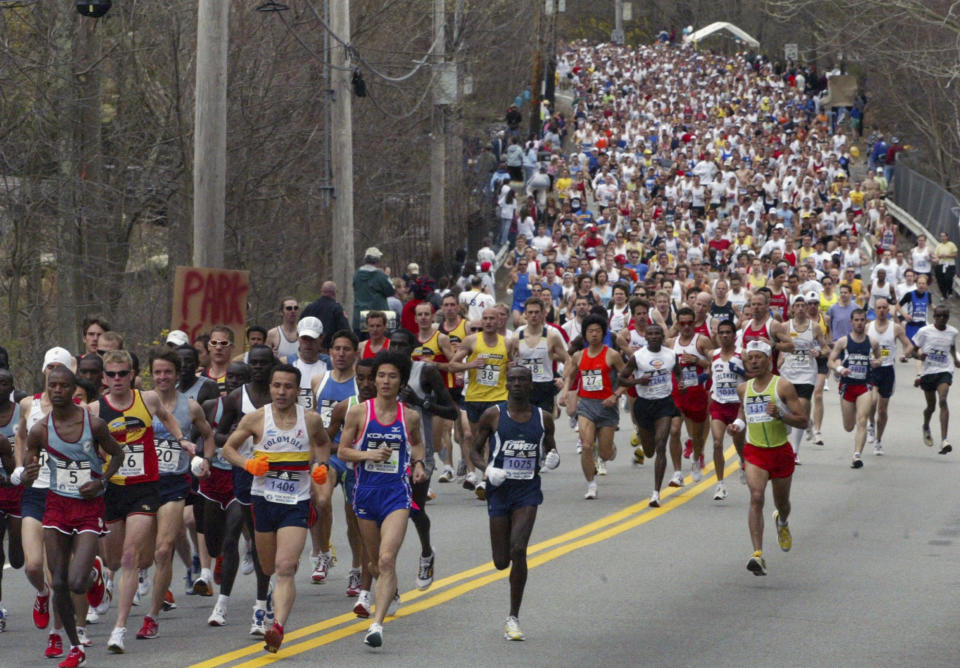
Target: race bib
(71,476)
(592,380)
(519,468)
(168,455)
(858,369)
(885,352)
(488,375)
(726,392)
(688,376)
(937,356)
(535,365)
(391,465)
(657,379)
(305,399)
(800,359)
(326,411)
(756,411)
(132,463)
(282,487)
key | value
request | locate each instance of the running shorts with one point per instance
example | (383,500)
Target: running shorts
(375,503)
(932,381)
(476,408)
(648,411)
(850,392)
(344,476)
(597,413)
(725,413)
(692,403)
(884,379)
(10,500)
(543,395)
(779,462)
(804,390)
(218,487)
(33,502)
(125,500)
(242,481)
(270,517)
(512,494)
(173,488)
(71,516)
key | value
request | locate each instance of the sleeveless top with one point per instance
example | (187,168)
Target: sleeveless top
(367,354)
(171,457)
(887,341)
(763,430)
(194,390)
(537,358)
(456,336)
(489,382)
(331,392)
(376,436)
(517,447)
(800,366)
(918,307)
(286,347)
(857,359)
(72,464)
(351,402)
(659,366)
(595,380)
(288,452)
(37,414)
(727,375)
(429,350)
(10,428)
(689,373)
(308,371)
(618,319)
(779,303)
(132,427)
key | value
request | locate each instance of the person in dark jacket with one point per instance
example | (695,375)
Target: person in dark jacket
(371,286)
(328,310)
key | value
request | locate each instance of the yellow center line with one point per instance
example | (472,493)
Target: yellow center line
(623,520)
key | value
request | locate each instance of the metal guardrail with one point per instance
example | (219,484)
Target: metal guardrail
(927,203)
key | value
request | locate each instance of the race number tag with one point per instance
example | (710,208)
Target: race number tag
(756,410)
(937,356)
(282,487)
(657,378)
(168,455)
(326,411)
(688,376)
(132,463)
(799,360)
(726,392)
(488,375)
(535,365)
(71,476)
(305,399)
(391,465)
(592,380)
(519,468)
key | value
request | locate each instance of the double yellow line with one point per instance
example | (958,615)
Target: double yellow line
(466,581)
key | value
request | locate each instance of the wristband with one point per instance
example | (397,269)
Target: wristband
(15,476)
(418,461)
(739,424)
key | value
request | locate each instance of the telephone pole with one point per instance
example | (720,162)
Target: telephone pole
(342,251)
(438,147)
(210,133)
(537,79)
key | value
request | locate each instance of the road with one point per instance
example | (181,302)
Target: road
(870,579)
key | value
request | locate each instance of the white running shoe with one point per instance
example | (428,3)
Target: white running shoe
(258,625)
(115,644)
(871,433)
(655,500)
(696,473)
(362,608)
(374,637)
(246,562)
(720,493)
(143,585)
(321,567)
(82,637)
(601,467)
(92,616)
(107,597)
(677,479)
(818,439)
(878,449)
(394,604)
(511,630)
(591,490)
(425,571)
(470,481)
(448,474)
(809,433)
(219,616)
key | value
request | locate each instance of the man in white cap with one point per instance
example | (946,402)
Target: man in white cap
(767,452)
(177,338)
(371,286)
(310,362)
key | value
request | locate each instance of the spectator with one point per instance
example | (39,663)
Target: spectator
(328,310)
(371,286)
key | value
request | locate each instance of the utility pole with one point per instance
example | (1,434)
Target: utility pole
(618,36)
(342,155)
(438,145)
(537,79)
(210,133)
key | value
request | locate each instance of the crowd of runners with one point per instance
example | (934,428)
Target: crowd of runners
(701,261)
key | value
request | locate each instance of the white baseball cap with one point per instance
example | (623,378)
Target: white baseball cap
(759,346)
(310,327)
(178,337)
(60,356)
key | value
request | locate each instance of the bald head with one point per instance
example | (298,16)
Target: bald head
(328,289)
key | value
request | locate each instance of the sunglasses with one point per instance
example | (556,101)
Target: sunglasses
(117,374)
(476,329)
(291,308)
(219,344)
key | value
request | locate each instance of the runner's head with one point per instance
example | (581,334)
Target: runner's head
(6,385)
(189,361)
(290,310)
(366,380)
(261,360)
(654,336)
(238,373)
(165,368)
(519,383)
(220,345)
(90,367)
(533,311)
(117,367)
(922,281)
(309,331)
(594,329)
(402,342)
(858,317)
(450,307)
(726,333)
(376,324)
(391,371)
(284,385)
(756,359)
(343,349)
(799,308)
(882,308)
(490,320)
(941,316)
(256,335)
(61,384)
(685,319)
(424,315)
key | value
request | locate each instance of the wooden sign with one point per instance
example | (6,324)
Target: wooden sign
(203,298)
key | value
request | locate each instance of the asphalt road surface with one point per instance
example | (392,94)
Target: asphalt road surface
(870,581)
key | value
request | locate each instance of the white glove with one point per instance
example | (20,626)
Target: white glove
(552,460)
(15,476)
(495,476)
(196,466)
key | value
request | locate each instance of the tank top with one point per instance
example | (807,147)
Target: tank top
(246,406)
(429,350)
(366,353)
(877,291)
(537,358)
(489,382)
(308,371)
(376,436)
(763,430)
(595,380)
(132,427)
(456,336)
(852,259)
(751,334)
(800,366)
(517,447)
(286,348)
(918,307)
(288,452)
(72,464)
(37,414)
(659,366)
(221,381)
(887,237)
(779,303)
(637,340)
(618,318)
(10,428)
(857,359)
(331,392)
(727,375)
(194,390)
(351,402)
(689,373)
(827,302)
(887,341)
(171,457)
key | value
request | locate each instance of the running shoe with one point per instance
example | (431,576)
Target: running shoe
(149,630)
(857,461)
(688,449)
(168,603)
(447,475)
(218,570)
(878,449)
(96,592)
(354,583)
(92,616)
(462,468)
(655,500)
(511,630)
(809,434)
(108,596)
(677,479)
(320,569)
(374,637)
(362,608)
(273,638)
(54,646)
(246,561)
(470,481)
(720,493)
(258,625)
(591,490)
(75,658)
(818,439)
(3,620)
(756,564)
(219,616)
(201,586)
(871,433)
(784,539)
(115,644)
(394,604)
(188,583)
(638,455)
(945,448)
(425,571)
(41,610)
(82,637)
(927,438)
(601,467)
(635,439)
(481,490)
(696,471)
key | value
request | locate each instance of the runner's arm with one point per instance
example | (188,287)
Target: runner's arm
(107,443)
(788,395)
(352,427)
(6,455)
(250,425)
(319,440)
(443,406)
(549,441)
(231,415)
(838,348)
(417,450)
(337,417)
(152,401)
(481,435)
(20,436)
(199,420)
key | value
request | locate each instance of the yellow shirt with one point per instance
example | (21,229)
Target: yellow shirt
(562,185)
(488,383)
